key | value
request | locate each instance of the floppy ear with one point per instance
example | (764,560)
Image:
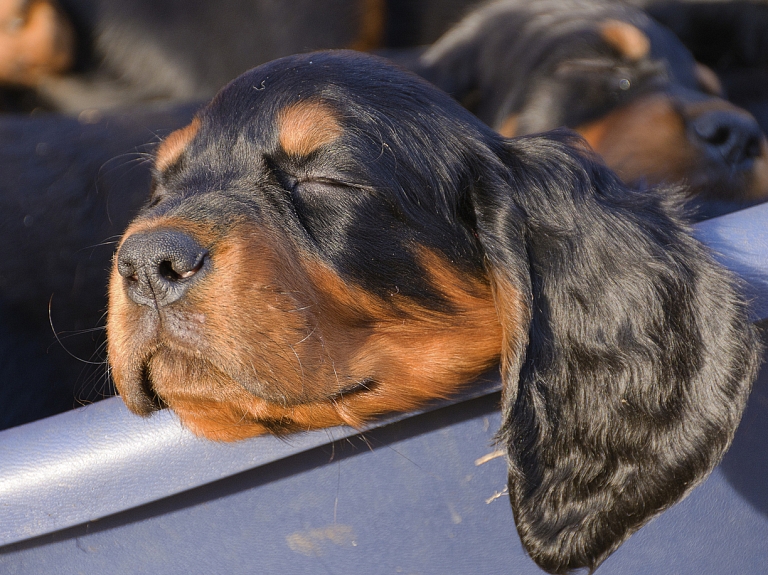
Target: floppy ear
(639,354)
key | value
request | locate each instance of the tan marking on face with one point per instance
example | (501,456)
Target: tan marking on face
(36,41)
(306,126)
(648,141)
(171,148)
(425,354)
(708,80)
(239,316)
(372,25)
(284,350)
(508,127)
(627,39)
(645,140)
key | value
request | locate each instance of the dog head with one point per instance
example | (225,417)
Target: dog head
(627,84)
(332,238)
(298,255)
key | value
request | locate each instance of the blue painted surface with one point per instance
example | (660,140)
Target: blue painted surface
(405,497)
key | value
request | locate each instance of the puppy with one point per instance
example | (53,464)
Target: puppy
(81,54)
(332,238)
(607,70)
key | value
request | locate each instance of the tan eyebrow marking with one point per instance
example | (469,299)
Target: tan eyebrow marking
(306,126)
(172,147)
(629,40)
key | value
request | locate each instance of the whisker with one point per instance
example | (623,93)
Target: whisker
(62,335)
(111,241)
(56,335)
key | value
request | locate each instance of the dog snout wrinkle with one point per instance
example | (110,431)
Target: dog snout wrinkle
(159,265)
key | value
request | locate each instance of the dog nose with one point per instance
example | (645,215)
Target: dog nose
(731,136)
(159,265)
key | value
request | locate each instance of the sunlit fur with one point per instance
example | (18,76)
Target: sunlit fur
(398,249)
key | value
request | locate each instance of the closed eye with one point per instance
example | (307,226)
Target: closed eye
(156,193)
(318,192)
(645,72)
(582,65)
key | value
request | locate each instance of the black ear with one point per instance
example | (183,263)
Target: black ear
(638,359)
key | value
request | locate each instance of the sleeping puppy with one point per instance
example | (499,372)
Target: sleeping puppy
(607,70)
(331,239)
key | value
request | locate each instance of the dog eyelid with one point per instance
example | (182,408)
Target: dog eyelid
(290,180)
(318,185)
(157,193)
(335,182)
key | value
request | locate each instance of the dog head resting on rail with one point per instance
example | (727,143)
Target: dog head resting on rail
(332,238)
(627,84)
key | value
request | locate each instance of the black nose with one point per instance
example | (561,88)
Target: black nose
(733,137)
(160,265)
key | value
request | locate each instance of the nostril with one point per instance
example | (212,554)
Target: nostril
(175,270)
(719,137)
(126,266)
(732,137)
(166,270)
(158,265)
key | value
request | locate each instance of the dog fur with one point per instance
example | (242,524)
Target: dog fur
(607,70)
(332,238)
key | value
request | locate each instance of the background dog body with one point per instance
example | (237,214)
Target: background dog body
(68,190)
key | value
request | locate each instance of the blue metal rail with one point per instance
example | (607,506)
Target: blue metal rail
(99,490)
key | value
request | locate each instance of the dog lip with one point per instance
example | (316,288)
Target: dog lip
(138,393)
(151,399)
